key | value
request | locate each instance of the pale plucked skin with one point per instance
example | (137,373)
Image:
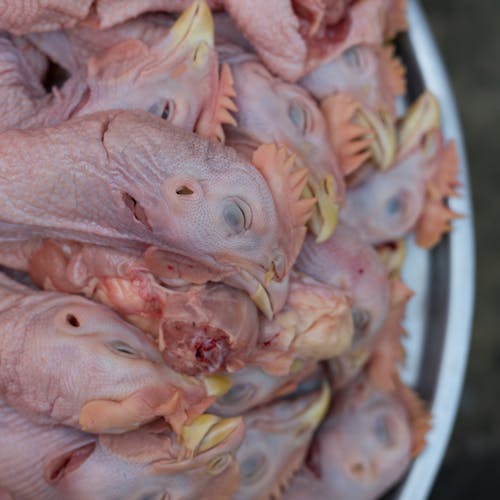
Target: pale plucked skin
(346,262)
(358,71)
(270,109)
(24,448)
(276,441)
(37,61)
(151,461)
(72,48)
(176,76)
(252,387)
(362,448)
(111,12)
(46,462)
(21,17)
(161,75)
(82,354)
(121,191)
(291,47)
(385,206)
(24,102)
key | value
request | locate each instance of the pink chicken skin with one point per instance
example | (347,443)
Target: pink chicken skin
(47,462)
(365,444)
(386,206)
(96,372)
(371,74)
(21,17)
(162,77)
(347,262)
(204,212)
(252,387)
(276,441)
(24,101)
(293,37)
(270,109)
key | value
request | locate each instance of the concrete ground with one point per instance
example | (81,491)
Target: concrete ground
(468,33)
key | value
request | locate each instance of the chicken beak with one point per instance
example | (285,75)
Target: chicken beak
(314,414)
(195,28)
(217,385)
(192,435)
(325,214)
(207,431)
(421,118)
(262,301)
(219,432)
(381,129)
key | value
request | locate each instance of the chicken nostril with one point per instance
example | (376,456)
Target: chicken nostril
(137,210)
(72,320)
(184,190)
(357,469)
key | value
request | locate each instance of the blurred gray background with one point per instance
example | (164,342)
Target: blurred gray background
(468,33)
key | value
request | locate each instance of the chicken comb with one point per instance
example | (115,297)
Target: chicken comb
(419,416)
(292,467)
(392,71)
(287,182)
(350,141)
(224,104)
(388,351)
(436,216)
(396,19)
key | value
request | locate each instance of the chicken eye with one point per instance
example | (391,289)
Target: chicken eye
(361,319)
(123,349)
(394,205)
(237,393)
(218,464)
(168,110)
(252,467)
(235,217)
(383,431)
(154,496)
(298,116)
(352,58)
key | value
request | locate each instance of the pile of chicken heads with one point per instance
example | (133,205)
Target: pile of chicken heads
(203,212)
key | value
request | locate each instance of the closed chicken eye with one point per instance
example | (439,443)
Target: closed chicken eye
(163,109)
(168,110)
(383,431)
(235,217)
(352,58)
(252,467)
(238,393)
(123,349)
(155,496)
(299,117)
(218,464)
